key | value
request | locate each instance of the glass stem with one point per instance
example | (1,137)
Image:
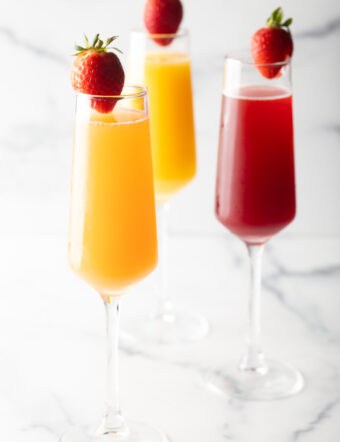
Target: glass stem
(165,305)
(254,358)
(113,423)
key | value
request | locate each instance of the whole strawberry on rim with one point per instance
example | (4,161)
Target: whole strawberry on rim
(98,71)
(163,17)
(272,44)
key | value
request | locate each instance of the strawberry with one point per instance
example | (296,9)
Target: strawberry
(96,71)
(163,17)
(272,44)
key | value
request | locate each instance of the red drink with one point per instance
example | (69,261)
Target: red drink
(255,193)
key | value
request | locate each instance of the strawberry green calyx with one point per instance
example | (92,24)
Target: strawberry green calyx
(276,19)
(97,45)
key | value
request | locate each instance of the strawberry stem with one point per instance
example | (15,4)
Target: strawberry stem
(97,45)
(96,38)
(275,19)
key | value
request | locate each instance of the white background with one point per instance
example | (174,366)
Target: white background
(37,103)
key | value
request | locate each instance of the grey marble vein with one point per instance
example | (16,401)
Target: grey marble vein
(32,48)
(325,30)
(330,270)
(309,317)
(270,282)
(24,144)
(226,434)
(31,136)
(154,354)
(63,410)
(333,128)
(316,272)
(313,324)
(202,370)
(324,414)
(42,427)
(53,430)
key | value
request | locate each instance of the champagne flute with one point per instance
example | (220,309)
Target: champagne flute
(255,199)
(113,241)
(165,69)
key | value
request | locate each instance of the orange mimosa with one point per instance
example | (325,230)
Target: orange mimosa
(112,186)
(162,64)
(112,232)
(168,78)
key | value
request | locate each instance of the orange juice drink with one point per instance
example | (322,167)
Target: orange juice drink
(168,78)
(112,186)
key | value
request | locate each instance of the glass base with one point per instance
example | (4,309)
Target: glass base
(173,327)
(138,432)
(279,380)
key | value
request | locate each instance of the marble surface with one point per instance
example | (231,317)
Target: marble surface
(52,342)
(52,354)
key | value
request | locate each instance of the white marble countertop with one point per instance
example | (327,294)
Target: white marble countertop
(52,357)
(52,353)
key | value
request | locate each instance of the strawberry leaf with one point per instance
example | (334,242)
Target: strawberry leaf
(117,49)
(95,40)
(275,19)
(288,22)
(110,40)
(97,45)
(278,15)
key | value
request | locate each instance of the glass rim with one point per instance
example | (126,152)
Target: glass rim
(182,32)
(140,91)
(243,57)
